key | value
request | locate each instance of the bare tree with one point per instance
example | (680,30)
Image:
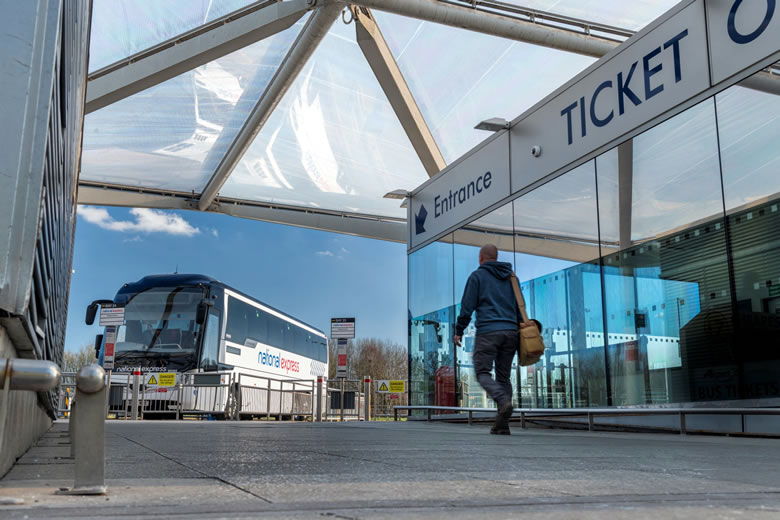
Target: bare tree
(73,361)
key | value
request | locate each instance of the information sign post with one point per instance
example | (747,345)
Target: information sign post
(342,329)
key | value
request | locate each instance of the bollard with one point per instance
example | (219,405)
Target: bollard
(134,405)
(319,399)
(72,428)
(89,433)
(367,398)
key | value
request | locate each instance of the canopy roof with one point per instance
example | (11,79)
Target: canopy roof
(307,112)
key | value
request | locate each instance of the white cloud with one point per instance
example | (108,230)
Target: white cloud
(325,253)
(146,221)
(344,250)
(215,233)
(134,239)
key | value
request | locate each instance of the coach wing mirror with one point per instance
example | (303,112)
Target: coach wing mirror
(203,310)
(92,309)
(98,342)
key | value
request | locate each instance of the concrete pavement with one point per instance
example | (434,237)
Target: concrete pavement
(400,470)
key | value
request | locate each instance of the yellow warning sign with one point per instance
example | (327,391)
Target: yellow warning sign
(388,386)
(168,379)
(152,381)
(397,386)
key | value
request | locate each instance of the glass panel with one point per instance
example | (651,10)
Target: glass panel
(121,28)
(333,142)
(749,125)
(668,301)
(173,135)
(631,15)
(494,228)
(478,77)
(556,253)
(431,318)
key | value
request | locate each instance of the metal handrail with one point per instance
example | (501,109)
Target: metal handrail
(591,413)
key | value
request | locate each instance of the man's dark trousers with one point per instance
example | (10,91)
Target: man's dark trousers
(497,347)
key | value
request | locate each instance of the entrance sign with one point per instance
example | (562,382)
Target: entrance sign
(742,32)
(342,328)
(645,78)
(462,189)
(341,366)
(112,314)
(387,386)
(696,49)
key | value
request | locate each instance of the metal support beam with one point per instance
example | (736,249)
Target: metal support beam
(390,78)
(392,230)
(625,191)
(494,24)
(191,50)
(300,52)
(527,31)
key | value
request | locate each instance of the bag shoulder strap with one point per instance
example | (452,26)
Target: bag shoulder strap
(519,296)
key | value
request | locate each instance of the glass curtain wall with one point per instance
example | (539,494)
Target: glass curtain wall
(653,268)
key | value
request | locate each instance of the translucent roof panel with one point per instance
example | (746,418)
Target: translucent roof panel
(631,15)
(173,135)
(333,142)
(121,28)
(476,78)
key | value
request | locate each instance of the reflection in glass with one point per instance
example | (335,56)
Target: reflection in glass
(668,286)
(431,320)
(494,228)
(749,126)
(556,229)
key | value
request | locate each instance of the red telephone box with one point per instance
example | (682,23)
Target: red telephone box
(444,386)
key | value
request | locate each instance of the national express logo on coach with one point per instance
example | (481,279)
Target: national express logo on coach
(271,360)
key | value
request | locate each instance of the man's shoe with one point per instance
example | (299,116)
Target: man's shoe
(498,430)
(505,410)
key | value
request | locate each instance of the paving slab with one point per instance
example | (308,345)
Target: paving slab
(399,470)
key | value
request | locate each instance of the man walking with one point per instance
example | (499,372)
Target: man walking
(489,292)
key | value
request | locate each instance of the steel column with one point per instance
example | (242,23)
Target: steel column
(390,78)
(300,52)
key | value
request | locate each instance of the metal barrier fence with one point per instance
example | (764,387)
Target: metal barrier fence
(345,401)
(264,397)
(589,413)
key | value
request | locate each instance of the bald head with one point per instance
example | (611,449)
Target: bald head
(488,253)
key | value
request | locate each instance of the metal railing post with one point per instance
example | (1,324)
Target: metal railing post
(292,403)
(683,429)
(89,437)
(281,399)
(341,412)
(395,414)
(268,403)
(319,399)
(367,398)
(522,420)
(134,402)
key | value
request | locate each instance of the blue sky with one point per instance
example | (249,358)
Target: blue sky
(312,275)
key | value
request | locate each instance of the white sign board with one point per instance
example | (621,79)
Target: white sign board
(111,314)
(341,363)
(648,77)
(109,342)
(741,34)
(466,187)
(342,328)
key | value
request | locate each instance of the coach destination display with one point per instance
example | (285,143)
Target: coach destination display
(465,187)
(693,51)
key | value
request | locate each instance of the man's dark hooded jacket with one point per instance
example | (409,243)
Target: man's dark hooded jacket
(489,292)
